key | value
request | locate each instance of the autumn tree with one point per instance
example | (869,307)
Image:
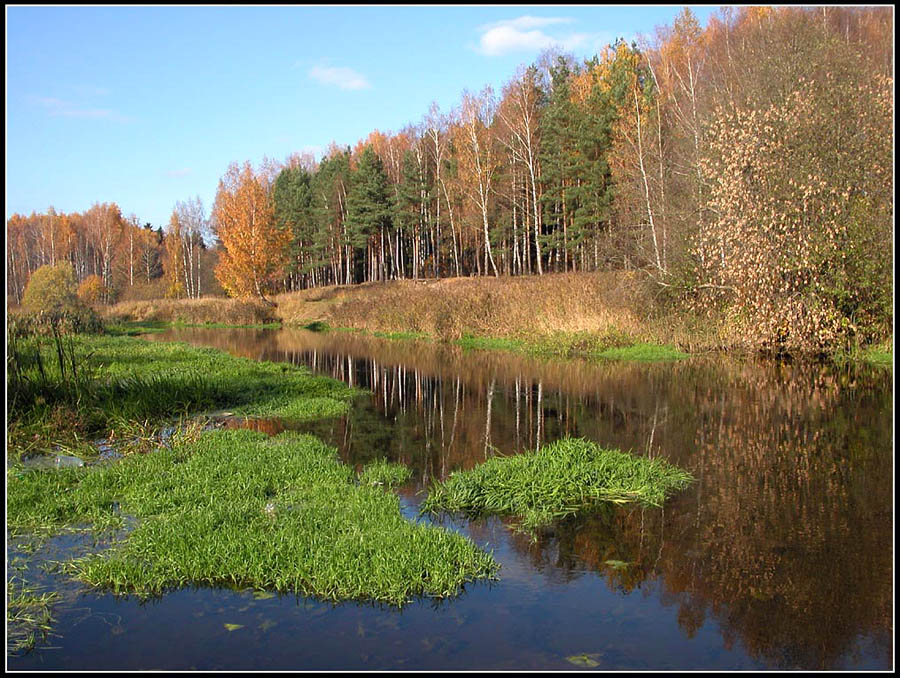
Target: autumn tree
(90,290)
(254,246)
(478,161)
(802,197)
(520,113)
(175,268)
(104,229)
(194,225)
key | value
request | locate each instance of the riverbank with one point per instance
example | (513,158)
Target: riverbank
(567,314)
(617,315)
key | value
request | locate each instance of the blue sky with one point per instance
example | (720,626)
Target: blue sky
(144,106)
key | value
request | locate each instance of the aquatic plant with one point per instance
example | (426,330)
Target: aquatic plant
(238,508)
(560,479)
(28,615)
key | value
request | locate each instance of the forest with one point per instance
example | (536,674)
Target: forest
(744,169)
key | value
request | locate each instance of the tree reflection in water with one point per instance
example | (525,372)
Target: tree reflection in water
(785,539)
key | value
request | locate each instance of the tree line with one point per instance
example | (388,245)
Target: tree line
(746,168)
(116,255)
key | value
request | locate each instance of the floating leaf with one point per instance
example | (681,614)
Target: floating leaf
(234,627)
(263,595)
(588,660)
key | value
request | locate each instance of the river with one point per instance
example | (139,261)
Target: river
(779,556)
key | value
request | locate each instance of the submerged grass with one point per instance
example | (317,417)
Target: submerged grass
(28,615)
(556,480)
(238,508)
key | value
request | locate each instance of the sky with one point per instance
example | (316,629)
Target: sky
(148,105)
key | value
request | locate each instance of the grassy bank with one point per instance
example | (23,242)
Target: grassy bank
(571,314)
(557,480)
(123,388)
(221,311)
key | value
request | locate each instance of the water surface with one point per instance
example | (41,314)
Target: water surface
(779,556)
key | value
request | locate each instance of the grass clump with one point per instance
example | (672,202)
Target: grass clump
(470,342)
(384,472)
(238,508)
(557,480)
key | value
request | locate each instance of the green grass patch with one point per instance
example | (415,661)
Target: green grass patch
(880,354)
(252,326)
(403,336)
(609,346)
(123,383)
(555,481)
(238,508)
(642,352)
(384,472)
(135,328)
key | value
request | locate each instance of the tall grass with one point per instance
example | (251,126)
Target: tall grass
(203,311)
(559,314)
(557,480)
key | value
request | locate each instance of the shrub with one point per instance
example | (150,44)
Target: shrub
(51,288)
(90,291)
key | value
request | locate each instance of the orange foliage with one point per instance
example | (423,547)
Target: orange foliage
(254,246)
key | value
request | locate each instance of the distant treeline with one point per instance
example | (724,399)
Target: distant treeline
(746,168)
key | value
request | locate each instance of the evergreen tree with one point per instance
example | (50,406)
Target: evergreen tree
(368,207)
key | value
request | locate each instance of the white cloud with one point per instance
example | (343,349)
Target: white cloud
(523,34)
(345,78)
(66,109)
(178,173)
(523,23)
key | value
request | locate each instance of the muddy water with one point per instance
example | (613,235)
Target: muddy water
(779,556)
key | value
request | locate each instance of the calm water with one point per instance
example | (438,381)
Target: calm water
(779,556)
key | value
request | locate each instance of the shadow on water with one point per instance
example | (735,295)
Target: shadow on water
(778,556)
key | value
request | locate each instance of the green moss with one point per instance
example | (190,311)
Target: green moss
(556,480)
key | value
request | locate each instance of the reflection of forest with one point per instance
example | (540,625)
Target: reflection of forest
(785,538)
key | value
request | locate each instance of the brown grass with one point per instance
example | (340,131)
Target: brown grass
(221,310)
(612,304)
